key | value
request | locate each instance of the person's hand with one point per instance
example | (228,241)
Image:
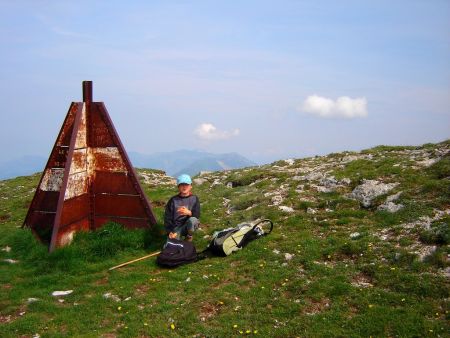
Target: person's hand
(172,235)
(184,211)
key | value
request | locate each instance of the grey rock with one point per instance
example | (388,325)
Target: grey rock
(286,209)
(199,181)
(390,207)
(311,211)
(370,189)
(354,235)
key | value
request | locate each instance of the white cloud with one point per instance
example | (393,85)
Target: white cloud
(207,131)
(342,107)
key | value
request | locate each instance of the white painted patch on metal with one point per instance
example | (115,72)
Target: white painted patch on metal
(52,179)
(77,185)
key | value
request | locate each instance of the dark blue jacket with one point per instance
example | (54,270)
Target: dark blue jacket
(172,218)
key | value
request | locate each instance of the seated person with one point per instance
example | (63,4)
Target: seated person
(182,212)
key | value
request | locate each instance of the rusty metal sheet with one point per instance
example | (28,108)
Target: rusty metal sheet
(79,161)
(75,209)
(106,159)
(113,183)
(67,232)
(119,205)
(100,135)
(47,200)
(88,179)
(67,127)
(42,225)
(58,157)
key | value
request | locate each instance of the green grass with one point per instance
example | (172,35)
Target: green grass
(334,285)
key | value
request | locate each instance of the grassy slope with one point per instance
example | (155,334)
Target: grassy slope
(333,285)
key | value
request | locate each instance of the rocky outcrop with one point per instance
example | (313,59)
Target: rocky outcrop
(369,190)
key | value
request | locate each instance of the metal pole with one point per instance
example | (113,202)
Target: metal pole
(87,91)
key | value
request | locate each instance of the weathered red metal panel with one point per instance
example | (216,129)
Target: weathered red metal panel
(119,205)
(100,136)
(66,232)
(113,183)
(88,179)
(47,200)
(75,209)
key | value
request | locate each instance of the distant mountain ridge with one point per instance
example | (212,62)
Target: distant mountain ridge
(189,161)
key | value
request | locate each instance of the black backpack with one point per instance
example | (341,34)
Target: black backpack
(226,241)
(176,252)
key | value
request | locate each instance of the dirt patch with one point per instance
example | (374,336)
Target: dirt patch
(4,217)
(141,290)
(362,280)
(208,311)
(108,335)
(13,316)
(316,306)
(102,281)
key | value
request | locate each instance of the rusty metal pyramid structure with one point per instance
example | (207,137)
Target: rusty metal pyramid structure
(88,179)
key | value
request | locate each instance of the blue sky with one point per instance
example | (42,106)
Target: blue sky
(267,79)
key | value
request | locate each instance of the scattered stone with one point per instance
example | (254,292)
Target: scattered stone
(288,256)
(277,200)
(188,279)
(289,161)
(286,209)
(446,272)
(354,235)
(229,185)
(109,295)
(390,207)
(349,158)
(157,178)
(393,198)
(314,176)
(6,248)
(346,181)
(428,162)
(310,210)
(276,252)
(199,181)
(32,300)
(424,251)
(61,293)
(300,188)
(10,261)
(369,190)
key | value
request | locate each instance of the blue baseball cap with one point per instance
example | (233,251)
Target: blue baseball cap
(184,179)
